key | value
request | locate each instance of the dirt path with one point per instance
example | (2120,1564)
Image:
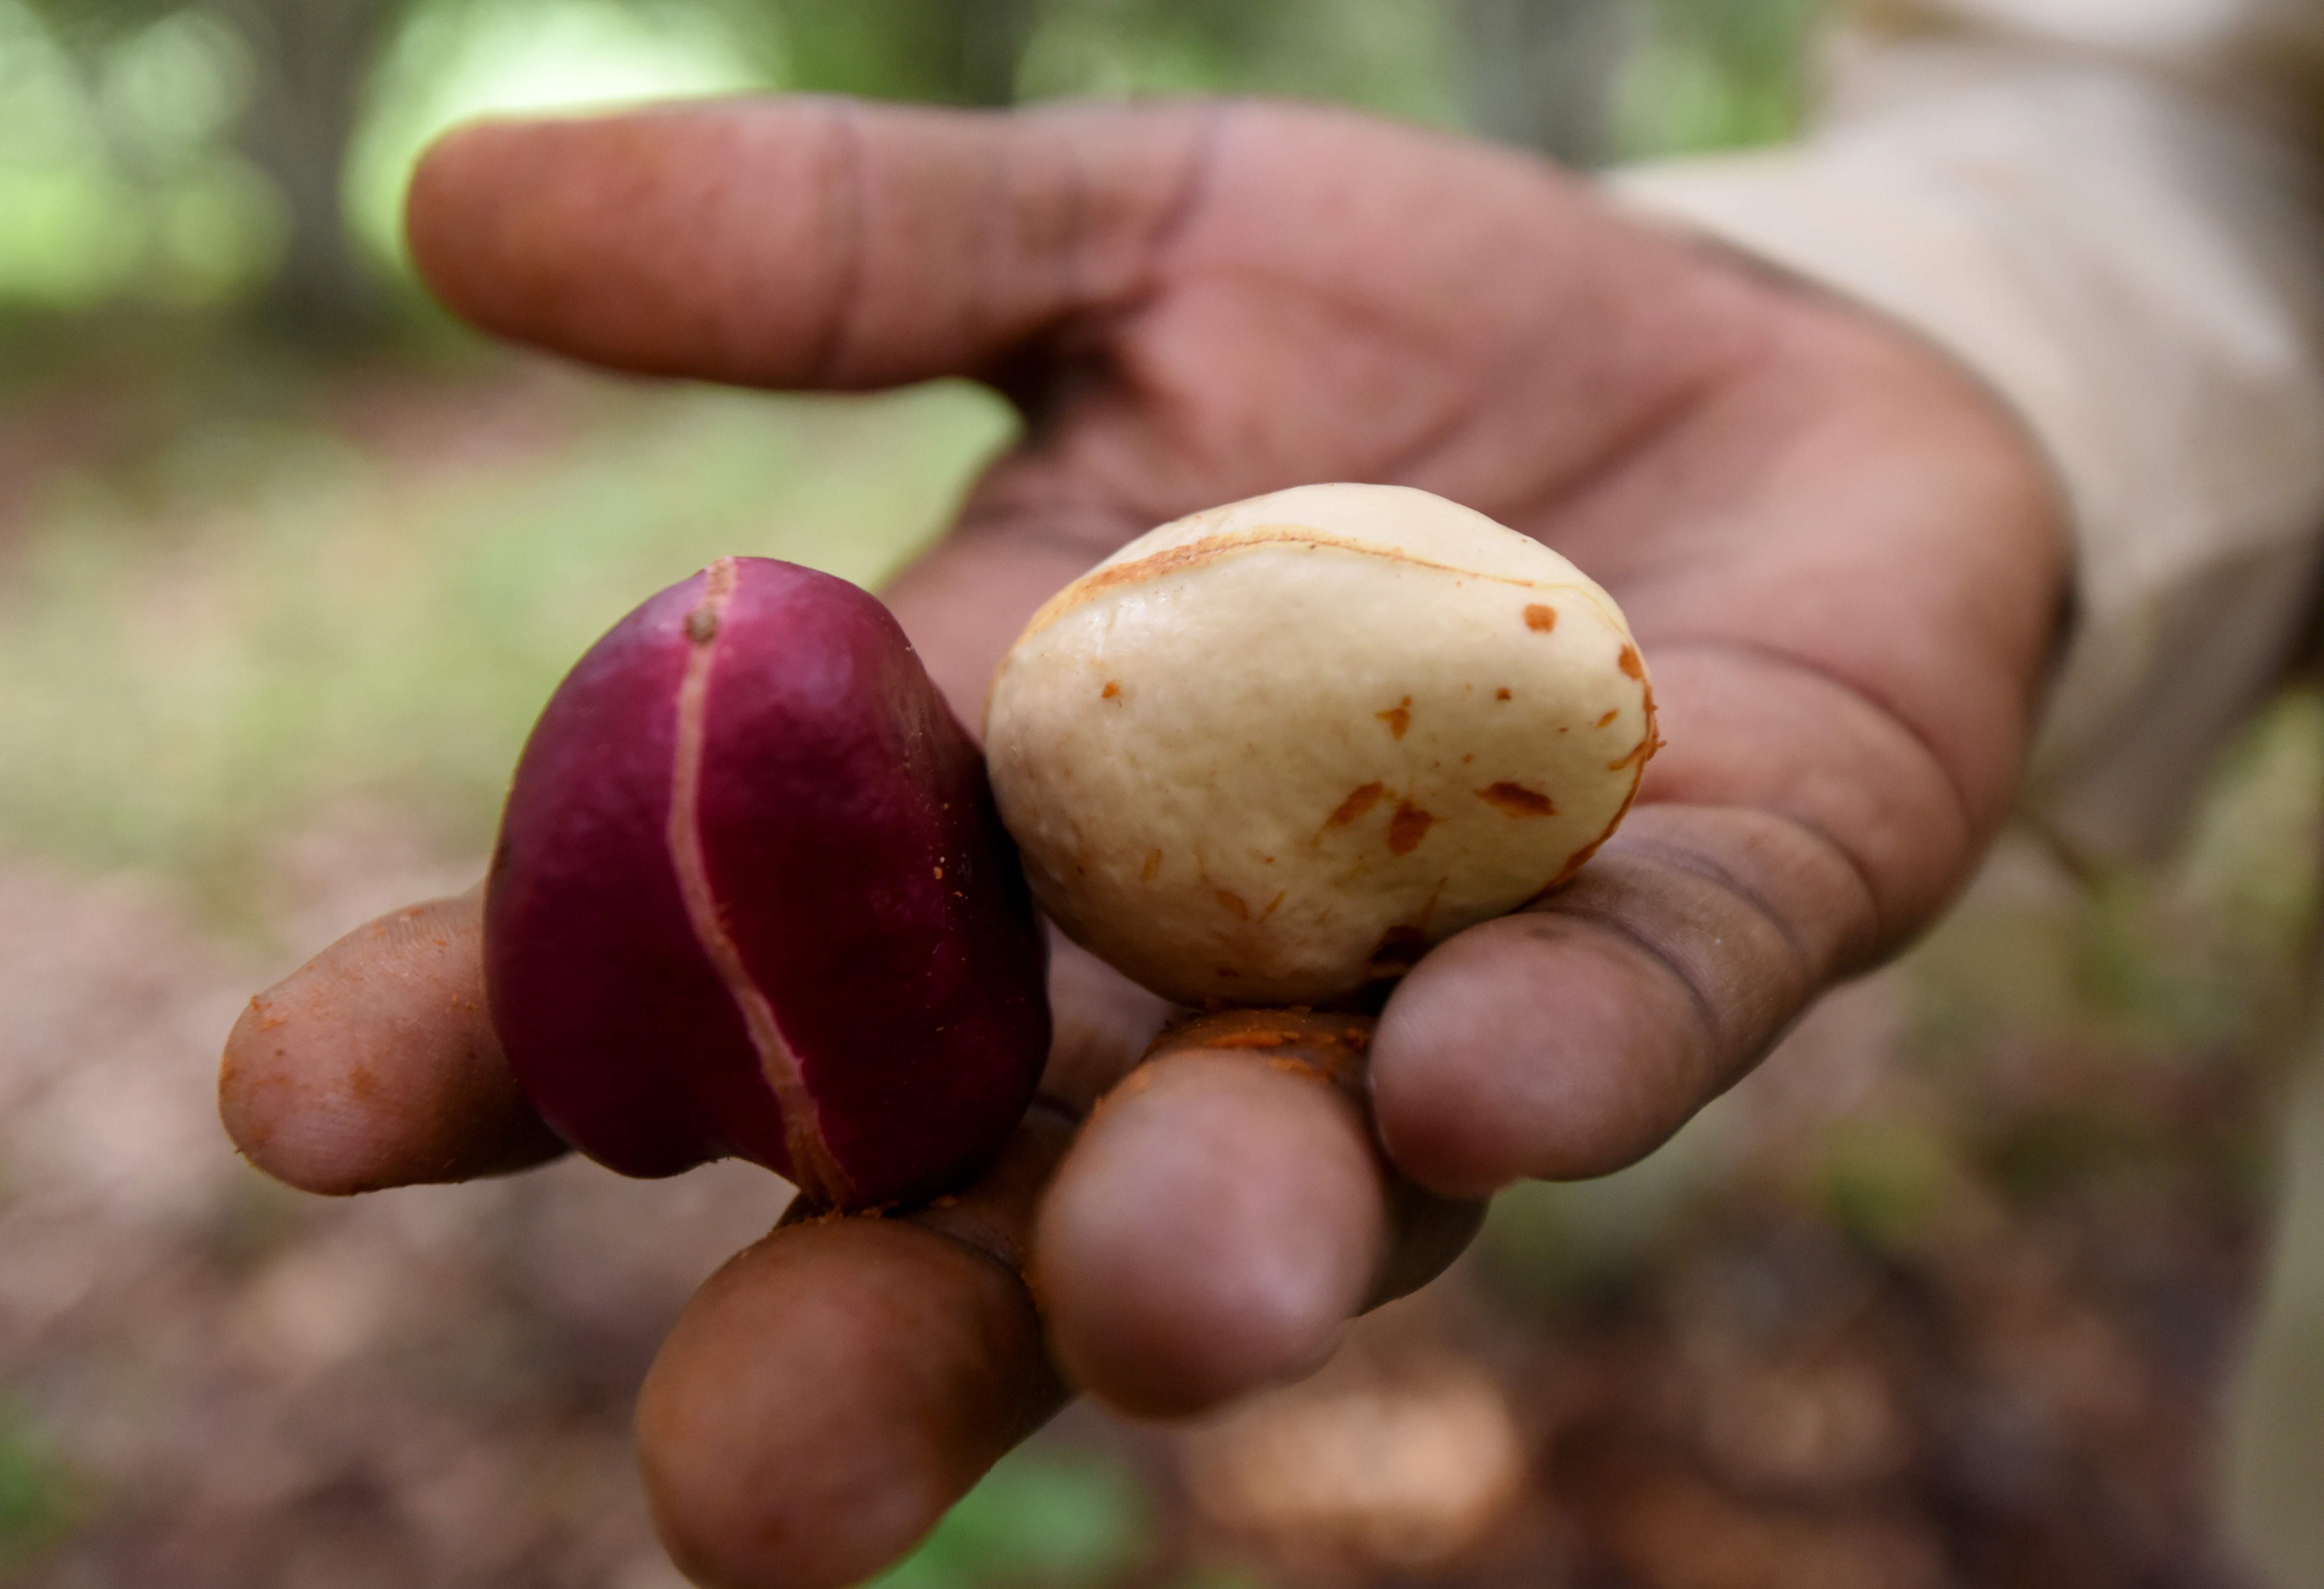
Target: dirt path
(214,1381)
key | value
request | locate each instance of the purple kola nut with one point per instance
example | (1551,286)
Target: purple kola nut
(750,898)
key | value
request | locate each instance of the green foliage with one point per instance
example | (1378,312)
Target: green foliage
(1039,1520)
(935,52)
(157,150)
(116,179)
(1220,1578)
(1715,74)
(2257,849)
(1391,56)
(2192,960)
(455,60)
(1552,1244)
(38,1497)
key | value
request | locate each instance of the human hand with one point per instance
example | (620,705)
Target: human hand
(1843,565)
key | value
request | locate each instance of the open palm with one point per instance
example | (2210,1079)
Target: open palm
(1841,562)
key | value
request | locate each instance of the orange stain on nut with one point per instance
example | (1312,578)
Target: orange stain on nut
(1580,857)
(1502,693)
(1113,688)
(1358,801)
(1233,903)
(1541,620)
(1408,827)
(1630,663)
(1397,717)
(1609,717)
(1153,865)
(1638,755)
(1516,800)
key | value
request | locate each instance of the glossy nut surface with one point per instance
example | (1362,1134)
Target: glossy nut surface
(1271,753)
(750,898)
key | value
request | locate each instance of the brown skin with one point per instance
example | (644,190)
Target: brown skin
(1285,1257)
(1845,565)
(747,1466)
(337,1106)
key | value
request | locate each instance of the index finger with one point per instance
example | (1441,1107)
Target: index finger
(797,241)
(374,1064)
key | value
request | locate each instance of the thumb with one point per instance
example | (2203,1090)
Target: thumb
(801,242)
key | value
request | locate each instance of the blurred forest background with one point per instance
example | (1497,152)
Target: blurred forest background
(1947,1294)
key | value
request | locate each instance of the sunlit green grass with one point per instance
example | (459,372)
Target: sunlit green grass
(1042,1520)
(38,1495)
(261,620)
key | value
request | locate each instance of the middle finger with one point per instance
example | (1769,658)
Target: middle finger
(1225,1211)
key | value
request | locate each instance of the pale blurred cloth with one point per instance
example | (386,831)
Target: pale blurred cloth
(2112,211)
(2106,208)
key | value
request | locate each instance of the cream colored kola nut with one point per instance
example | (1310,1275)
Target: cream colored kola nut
(1272,752)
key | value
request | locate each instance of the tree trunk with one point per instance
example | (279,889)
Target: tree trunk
(992,35)
(944,51)
(1540,72)
(311,61)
